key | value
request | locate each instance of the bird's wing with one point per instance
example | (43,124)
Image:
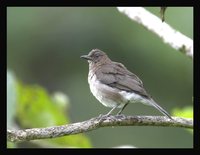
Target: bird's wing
(116,75)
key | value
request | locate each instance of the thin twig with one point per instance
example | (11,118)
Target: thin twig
(169,35)
(95,123)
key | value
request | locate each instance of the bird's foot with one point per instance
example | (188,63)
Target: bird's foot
(102,117)
(120,115)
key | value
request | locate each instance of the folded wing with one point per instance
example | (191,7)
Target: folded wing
(116,75)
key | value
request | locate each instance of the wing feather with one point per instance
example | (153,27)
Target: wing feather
(116,75)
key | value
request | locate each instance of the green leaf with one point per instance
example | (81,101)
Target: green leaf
(186,112)
(37,109)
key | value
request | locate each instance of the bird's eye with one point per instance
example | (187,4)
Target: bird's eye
(96,55)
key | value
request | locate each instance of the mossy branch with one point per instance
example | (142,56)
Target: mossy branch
(95,123)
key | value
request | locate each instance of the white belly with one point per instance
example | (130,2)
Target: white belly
(100,94)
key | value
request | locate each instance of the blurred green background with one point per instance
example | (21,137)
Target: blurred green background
(44,45)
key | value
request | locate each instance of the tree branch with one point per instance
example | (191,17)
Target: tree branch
(169,35)
(95,123)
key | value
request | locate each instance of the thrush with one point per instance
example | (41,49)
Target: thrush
(114,85)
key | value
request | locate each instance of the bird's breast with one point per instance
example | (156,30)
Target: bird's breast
(108,96)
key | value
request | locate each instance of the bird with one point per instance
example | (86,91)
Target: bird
(114,85)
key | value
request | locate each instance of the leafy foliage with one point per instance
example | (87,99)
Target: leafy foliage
(36,108)
(186,112)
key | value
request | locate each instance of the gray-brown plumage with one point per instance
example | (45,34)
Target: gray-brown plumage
(115,86)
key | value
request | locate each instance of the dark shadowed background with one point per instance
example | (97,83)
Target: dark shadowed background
(44,45)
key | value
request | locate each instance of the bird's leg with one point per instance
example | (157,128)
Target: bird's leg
(112,110)
(101,117)
(123,108)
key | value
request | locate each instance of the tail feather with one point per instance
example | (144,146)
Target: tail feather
(154,104)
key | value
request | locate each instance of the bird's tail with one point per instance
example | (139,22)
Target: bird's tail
(154,104)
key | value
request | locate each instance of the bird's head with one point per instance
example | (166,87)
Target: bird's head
(96,56)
